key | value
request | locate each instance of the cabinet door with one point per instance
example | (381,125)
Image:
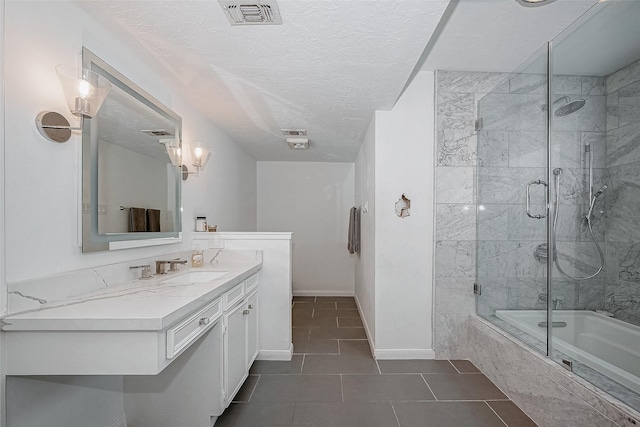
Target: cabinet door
(252,329)
(235,350)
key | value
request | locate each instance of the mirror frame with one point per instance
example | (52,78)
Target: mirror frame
(92,241)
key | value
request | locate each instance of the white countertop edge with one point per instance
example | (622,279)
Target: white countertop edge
(29,322)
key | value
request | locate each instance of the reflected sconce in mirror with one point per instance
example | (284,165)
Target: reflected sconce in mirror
(173,150)
(84,91)
(197,153)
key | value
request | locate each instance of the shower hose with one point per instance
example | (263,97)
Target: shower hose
(557,173)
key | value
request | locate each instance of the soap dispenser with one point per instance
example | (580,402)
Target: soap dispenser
(197,258)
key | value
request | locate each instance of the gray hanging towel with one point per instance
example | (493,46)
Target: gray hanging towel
(352,233)
(153,220)
(356,234)
(137,220)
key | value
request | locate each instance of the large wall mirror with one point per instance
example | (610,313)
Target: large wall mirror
(130,189)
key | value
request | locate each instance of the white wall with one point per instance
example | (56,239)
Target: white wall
(312,200)
(365,263)
(404,247)
(42,193)
(3,287)
(394,272)
(41,188)
(43,177)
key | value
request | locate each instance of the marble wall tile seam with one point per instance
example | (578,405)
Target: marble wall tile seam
(455,258)
(455,221)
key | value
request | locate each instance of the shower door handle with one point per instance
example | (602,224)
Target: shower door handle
(546,199)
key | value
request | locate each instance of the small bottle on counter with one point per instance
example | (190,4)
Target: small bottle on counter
(197,258)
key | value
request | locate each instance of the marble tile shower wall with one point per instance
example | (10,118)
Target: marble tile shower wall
(455,235)
(505,154)
(623,196)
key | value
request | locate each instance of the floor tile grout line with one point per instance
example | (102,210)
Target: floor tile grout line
(254,388)
(454,366)
(395,414)
(341,388)
(494,411)
(429,387)
(302,365)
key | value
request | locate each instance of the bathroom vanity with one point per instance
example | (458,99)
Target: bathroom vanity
(184,341)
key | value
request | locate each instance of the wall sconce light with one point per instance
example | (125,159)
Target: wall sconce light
(84,91)
(198,154)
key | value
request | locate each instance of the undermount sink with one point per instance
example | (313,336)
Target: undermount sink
(195,277)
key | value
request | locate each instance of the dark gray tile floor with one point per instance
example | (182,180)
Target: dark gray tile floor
(332,381)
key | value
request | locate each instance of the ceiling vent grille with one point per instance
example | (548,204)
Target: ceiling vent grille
(245,12)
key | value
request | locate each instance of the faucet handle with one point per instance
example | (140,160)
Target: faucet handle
(160,267)
(146,271)
(173,264)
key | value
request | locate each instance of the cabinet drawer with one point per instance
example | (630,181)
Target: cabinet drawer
(233,296)
(250,284)
(186,332)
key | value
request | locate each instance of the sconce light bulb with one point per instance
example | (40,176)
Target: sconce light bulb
(85,89)
(198,152)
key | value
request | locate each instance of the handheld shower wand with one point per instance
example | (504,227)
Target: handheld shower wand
(587,218)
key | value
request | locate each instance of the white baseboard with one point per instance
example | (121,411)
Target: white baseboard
(393,354)
(324,293)
(120,422)
(409,353)
(285,355)
(366,328)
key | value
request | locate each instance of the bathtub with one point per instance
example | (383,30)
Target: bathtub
(608,345)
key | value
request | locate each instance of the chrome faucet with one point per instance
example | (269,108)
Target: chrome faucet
(557,302)
(173,265)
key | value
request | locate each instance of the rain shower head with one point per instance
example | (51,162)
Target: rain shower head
(568,108)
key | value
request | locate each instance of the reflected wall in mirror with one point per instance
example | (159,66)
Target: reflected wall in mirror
(131,190)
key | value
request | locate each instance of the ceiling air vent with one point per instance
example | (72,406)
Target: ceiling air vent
(156,132)
(251,13)
(294,132)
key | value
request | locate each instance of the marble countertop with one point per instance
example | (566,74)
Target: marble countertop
(141,305)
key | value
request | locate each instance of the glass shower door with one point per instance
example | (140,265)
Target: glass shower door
(595,198)
(511,193)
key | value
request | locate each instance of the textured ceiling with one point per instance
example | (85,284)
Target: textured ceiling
(498,35)
(326,69)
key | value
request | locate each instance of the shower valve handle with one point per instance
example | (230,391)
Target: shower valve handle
(528,198)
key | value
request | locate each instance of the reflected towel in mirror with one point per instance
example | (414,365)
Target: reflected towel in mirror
(137,220)
(153,220)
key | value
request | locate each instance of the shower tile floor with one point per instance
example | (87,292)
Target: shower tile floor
(332,380)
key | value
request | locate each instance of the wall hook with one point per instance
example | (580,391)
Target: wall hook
(402,206)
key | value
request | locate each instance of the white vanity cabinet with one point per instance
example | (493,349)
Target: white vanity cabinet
(196,388)
(240,339)
(252,329)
